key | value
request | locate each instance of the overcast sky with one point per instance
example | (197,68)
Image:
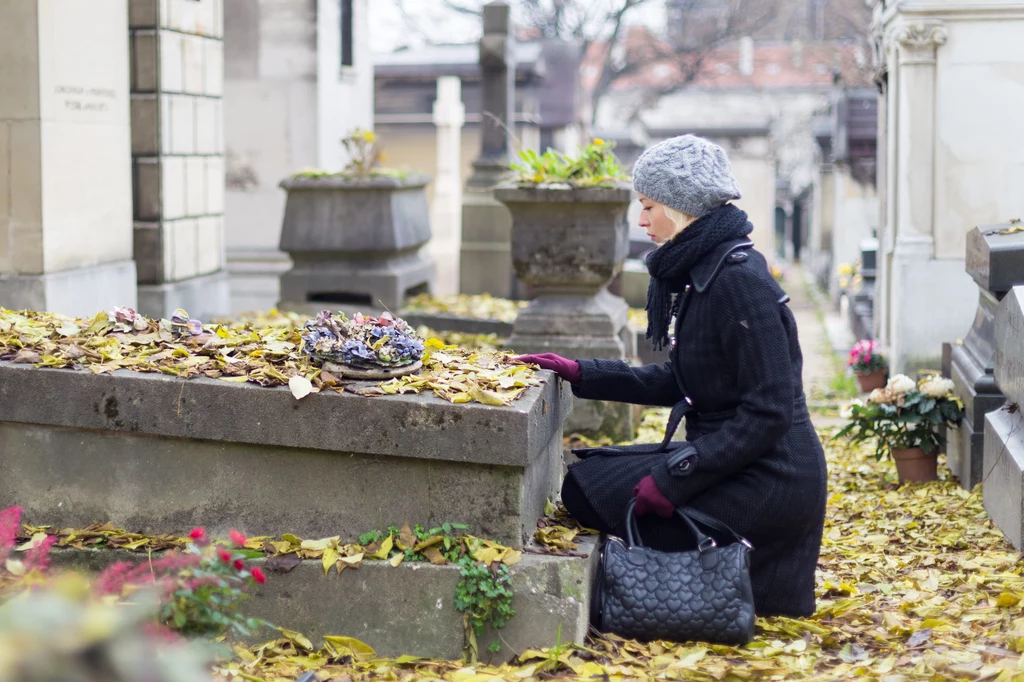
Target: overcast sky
(388,31)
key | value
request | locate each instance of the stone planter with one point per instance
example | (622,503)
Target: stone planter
(567,245)
(869,381)
(914,464)
(355,242)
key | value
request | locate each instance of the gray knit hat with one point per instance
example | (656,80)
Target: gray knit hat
(686,173)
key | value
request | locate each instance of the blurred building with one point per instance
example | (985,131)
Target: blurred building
(547,96)
(759,100)
(298,76)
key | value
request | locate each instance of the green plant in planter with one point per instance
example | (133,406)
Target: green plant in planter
(905,414)
(365,156)
(595,166)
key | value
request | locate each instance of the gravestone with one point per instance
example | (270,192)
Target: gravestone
(996,262)
(66,129)
(485,251)
(161,455)
(1003,464)
(862,306)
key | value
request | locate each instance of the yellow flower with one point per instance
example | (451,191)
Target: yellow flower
(369,136)
(383,157)
(845,269)
(598,140)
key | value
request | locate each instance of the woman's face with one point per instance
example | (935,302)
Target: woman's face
(660,228)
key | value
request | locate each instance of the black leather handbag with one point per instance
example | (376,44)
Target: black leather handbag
(700,595)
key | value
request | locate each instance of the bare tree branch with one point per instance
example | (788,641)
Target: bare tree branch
(468,10)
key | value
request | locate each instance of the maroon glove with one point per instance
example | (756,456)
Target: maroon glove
(569,370)
(650,499)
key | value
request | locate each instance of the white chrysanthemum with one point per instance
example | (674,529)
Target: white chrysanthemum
(846,411)
(937,387)
(900,384)
(880,396)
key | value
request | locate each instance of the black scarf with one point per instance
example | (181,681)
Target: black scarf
(670,264)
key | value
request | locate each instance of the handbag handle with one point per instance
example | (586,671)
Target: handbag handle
(679,410)
(688,515)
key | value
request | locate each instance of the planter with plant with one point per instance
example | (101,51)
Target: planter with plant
(868,364)
(903,420)
(569,239)
(355,236)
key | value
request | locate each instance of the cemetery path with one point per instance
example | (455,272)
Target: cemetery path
(819,368)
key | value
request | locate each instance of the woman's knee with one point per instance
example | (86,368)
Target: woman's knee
(577,504)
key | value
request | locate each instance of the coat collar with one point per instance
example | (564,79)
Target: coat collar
(708,267)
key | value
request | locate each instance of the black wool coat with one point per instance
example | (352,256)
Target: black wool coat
(760,466)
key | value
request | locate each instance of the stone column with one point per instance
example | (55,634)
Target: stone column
(446,210)
(1003,463)
(913,180)
(995,260)
(938,139)
(178,149)
(486,261)
(65,157)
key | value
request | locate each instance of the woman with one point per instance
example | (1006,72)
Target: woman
(757,463)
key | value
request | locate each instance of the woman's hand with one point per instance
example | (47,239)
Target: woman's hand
(650,499)
(567,369)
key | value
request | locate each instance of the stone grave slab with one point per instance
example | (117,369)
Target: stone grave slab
(409,609)
(1004,458)
(162,455)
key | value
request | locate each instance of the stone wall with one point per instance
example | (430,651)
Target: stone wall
(178,155)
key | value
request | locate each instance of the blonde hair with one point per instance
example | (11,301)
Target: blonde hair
(680,219)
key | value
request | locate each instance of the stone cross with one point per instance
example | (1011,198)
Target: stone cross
(446,209)
(498,75)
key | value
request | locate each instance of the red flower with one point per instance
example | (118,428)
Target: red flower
(237,538)
(224,555)
(197,534)
(239,564)
(258,576)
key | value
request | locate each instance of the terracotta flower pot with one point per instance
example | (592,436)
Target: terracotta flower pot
(913,464)
(869,381)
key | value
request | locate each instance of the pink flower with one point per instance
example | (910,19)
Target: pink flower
(258,576)
(39,556)
(237,538)
(10,521)
(239,564)
(197,533)
(224,555)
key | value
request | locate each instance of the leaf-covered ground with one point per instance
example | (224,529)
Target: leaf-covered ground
(914,583)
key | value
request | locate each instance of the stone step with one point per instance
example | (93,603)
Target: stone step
(159,454)
(408,609)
